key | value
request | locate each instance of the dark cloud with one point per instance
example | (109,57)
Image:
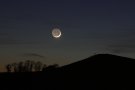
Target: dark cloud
(33,55)
(8,39)
(5,38)
(13,41)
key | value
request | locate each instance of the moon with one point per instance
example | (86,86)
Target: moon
(56,33)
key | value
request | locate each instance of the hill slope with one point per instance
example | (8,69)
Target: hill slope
(102,71)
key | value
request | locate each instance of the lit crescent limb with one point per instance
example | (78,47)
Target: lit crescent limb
(58,35)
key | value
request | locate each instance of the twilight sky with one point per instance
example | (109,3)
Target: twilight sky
(88,27)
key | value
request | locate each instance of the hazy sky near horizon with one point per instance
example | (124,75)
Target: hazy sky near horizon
(88,27)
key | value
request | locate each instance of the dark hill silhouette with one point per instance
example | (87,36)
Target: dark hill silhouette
(102,71)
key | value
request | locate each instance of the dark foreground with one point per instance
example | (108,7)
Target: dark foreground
(100,72)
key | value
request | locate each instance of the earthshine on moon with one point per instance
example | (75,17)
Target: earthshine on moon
(56,33)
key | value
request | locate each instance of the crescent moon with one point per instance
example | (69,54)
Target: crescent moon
(56,33)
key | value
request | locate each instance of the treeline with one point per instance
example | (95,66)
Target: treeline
(29,66)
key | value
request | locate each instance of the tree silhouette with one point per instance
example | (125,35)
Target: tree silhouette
(15,67)
(38,66)
(32,63)
(20,67)
(44,67)
(29,66)
(8,67)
